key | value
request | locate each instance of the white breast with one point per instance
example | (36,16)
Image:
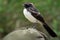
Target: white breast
(29,16)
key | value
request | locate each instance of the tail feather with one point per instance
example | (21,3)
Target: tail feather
(49,30)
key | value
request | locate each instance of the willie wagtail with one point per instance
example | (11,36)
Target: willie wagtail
(34,16)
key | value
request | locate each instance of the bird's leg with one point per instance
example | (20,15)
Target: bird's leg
(34,25)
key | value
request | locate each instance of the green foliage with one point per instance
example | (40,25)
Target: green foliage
(1,30)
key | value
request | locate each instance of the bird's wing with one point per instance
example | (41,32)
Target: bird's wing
(36,14)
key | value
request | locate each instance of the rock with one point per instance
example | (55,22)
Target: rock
(26,34)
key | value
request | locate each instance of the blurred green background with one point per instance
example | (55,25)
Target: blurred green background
(11,15)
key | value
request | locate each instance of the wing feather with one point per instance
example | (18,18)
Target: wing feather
(35,13)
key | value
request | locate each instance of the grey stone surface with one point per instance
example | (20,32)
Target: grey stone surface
(26,34)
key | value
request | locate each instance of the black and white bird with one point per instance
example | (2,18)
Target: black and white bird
(34,16)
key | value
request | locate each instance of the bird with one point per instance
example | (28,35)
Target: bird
(33,15)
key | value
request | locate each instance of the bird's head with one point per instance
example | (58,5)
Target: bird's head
(27,5)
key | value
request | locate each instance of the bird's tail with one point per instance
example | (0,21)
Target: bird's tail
(49,30)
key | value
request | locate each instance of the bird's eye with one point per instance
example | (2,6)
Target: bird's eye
(30,4)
